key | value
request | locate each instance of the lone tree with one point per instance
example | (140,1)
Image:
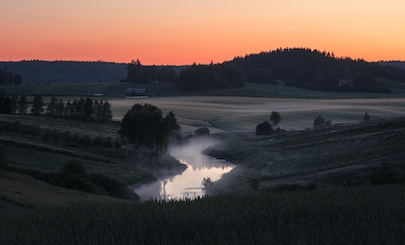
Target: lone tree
(22,104)
(264,128)
(366,117)
(38,105)
(146,129)
(275,118)
(321,122)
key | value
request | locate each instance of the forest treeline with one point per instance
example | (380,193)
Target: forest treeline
(45,72)
(294,65)
(8,78)
(303,65)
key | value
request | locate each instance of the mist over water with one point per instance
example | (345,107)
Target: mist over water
(188,183)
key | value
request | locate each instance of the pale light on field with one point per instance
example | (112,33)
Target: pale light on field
(242,114)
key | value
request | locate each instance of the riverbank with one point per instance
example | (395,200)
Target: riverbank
(349,155)
(32,156)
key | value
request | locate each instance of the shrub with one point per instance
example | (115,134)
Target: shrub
(366,117)
(76,182)
(86,140)
(74,167)
(264,128)
(202,131)
(321,122)
(98,141)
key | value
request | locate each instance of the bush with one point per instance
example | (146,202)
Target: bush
(86,140)
(76,182)
(74,167)
(98,141)
(264,128)
(202,131)
(320,123)
(383,176)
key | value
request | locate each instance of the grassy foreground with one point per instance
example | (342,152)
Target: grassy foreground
(366,215)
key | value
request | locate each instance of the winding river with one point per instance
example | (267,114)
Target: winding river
(188,183)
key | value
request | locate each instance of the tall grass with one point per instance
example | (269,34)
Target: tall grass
(366,215)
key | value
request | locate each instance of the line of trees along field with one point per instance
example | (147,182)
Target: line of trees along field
(83,109)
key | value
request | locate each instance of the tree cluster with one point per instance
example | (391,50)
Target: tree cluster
(8,78)
(320,123)
(313,67)
(265,128)
(138,73)
(145,128)
(74,175)
(208,77)
(44,72)
(55,135)
(83,109)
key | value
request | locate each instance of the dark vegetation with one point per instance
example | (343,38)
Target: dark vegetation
(306,66)
(84,109)
(49,72)
(74,175)
(138,73)
(299,67)
(202,131)
(209,77)
(8,78)
(146,131)
(369,152)
(77,155)
(363,215)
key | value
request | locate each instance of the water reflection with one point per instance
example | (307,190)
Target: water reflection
(187,184)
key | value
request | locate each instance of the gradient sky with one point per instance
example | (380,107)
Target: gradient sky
(185,31)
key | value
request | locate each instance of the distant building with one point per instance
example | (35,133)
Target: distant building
(136,93)
(345,83)
(280,82)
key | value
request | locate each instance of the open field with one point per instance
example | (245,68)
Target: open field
(242,114)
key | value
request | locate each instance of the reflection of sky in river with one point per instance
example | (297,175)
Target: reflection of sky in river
(187,184)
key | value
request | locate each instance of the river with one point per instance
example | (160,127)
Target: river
(188,183)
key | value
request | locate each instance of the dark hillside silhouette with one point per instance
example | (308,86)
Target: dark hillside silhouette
(302,65)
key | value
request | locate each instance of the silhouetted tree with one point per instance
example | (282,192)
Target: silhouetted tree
(5,105)
(14,103)
(52,106)
(145,128)
(321,122)
(366,117)
(22,104)
(37,106)
(275,118)
(264,128)
(60,108)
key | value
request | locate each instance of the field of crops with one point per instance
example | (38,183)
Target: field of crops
(366,215)
(242,114)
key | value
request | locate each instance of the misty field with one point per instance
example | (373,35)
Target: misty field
(242,114)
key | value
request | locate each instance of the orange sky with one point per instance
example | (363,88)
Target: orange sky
(186,31)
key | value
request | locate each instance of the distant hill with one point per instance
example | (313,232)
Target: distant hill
(302,65)
(67,71)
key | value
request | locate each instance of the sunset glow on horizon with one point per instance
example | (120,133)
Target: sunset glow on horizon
(182,32)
